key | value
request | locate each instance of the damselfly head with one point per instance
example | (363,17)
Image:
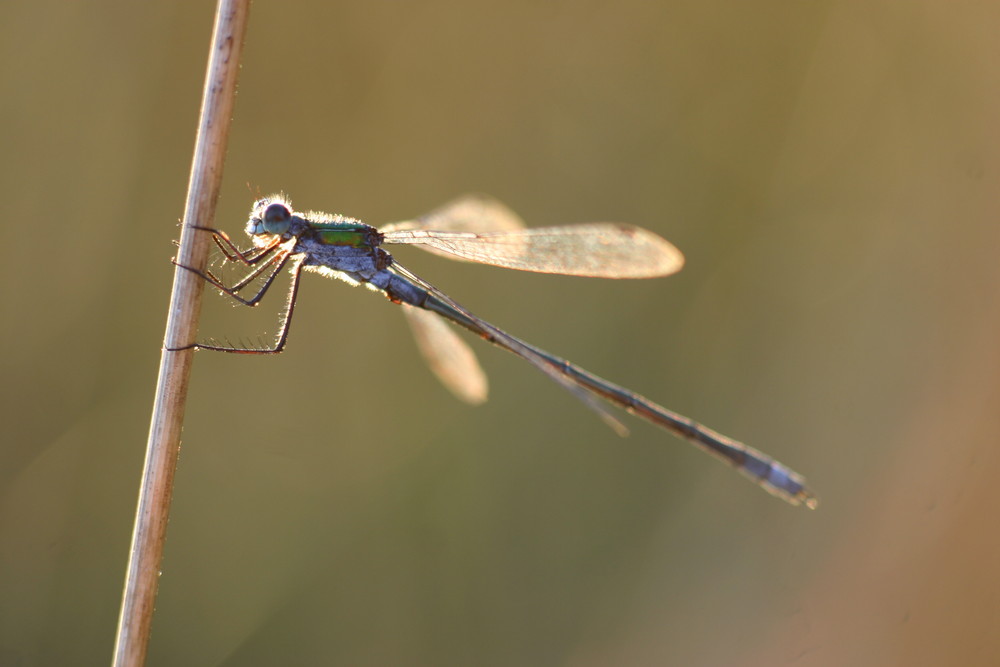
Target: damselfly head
(277,218)
(269,217)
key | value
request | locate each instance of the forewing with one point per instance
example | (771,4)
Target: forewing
(599,250)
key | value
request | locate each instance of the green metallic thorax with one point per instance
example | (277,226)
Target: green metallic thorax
(346,233)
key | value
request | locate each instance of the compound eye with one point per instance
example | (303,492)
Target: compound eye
(277,219)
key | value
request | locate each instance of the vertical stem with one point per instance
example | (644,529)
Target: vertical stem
(149,532)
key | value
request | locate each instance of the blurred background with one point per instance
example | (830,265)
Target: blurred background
(830,171)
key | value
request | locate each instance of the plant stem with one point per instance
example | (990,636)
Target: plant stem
(149,532)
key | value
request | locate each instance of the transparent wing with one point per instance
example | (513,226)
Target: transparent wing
(469,213)
(600,250)
(451,359)
(447,354)
(539,359)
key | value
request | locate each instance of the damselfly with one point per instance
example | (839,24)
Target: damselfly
(476,229)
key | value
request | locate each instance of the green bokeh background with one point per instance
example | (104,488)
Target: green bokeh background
(829,169)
